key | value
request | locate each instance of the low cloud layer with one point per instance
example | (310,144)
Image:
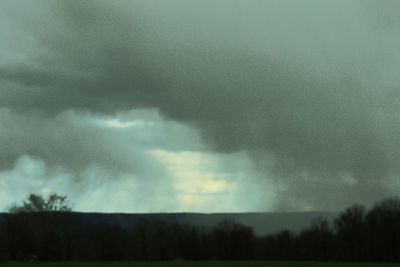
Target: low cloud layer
(308,91)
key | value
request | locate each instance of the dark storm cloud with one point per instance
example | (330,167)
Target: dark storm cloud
(89,61)
(312,85)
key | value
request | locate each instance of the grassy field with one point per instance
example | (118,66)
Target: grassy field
(194,264)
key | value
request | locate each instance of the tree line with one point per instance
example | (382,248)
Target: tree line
(356,234)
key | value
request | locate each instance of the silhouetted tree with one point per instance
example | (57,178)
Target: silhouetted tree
(37,203)
(36,231)
(349,229)
(110,242)
(3,240)
(383,230)
(159,239)
(316,241)
(233,240)
(48,235)
(279,246)
(189,240)
(138,235)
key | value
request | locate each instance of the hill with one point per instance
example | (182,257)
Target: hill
(262,222)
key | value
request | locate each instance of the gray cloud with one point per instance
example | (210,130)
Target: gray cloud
(66,140)
(103,163)
(312,86)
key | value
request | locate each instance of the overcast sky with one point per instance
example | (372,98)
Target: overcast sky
(207,106)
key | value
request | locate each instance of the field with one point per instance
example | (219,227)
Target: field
(194,264)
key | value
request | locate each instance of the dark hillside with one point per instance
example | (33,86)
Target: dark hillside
(262,222)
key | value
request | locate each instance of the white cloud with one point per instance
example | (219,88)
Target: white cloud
(116,123)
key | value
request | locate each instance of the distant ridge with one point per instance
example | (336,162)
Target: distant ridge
(262,222)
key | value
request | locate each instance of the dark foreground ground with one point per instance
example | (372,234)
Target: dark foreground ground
(194,264)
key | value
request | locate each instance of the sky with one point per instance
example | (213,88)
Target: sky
(200,106)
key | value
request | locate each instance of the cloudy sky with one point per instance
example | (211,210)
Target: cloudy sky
(206,106)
